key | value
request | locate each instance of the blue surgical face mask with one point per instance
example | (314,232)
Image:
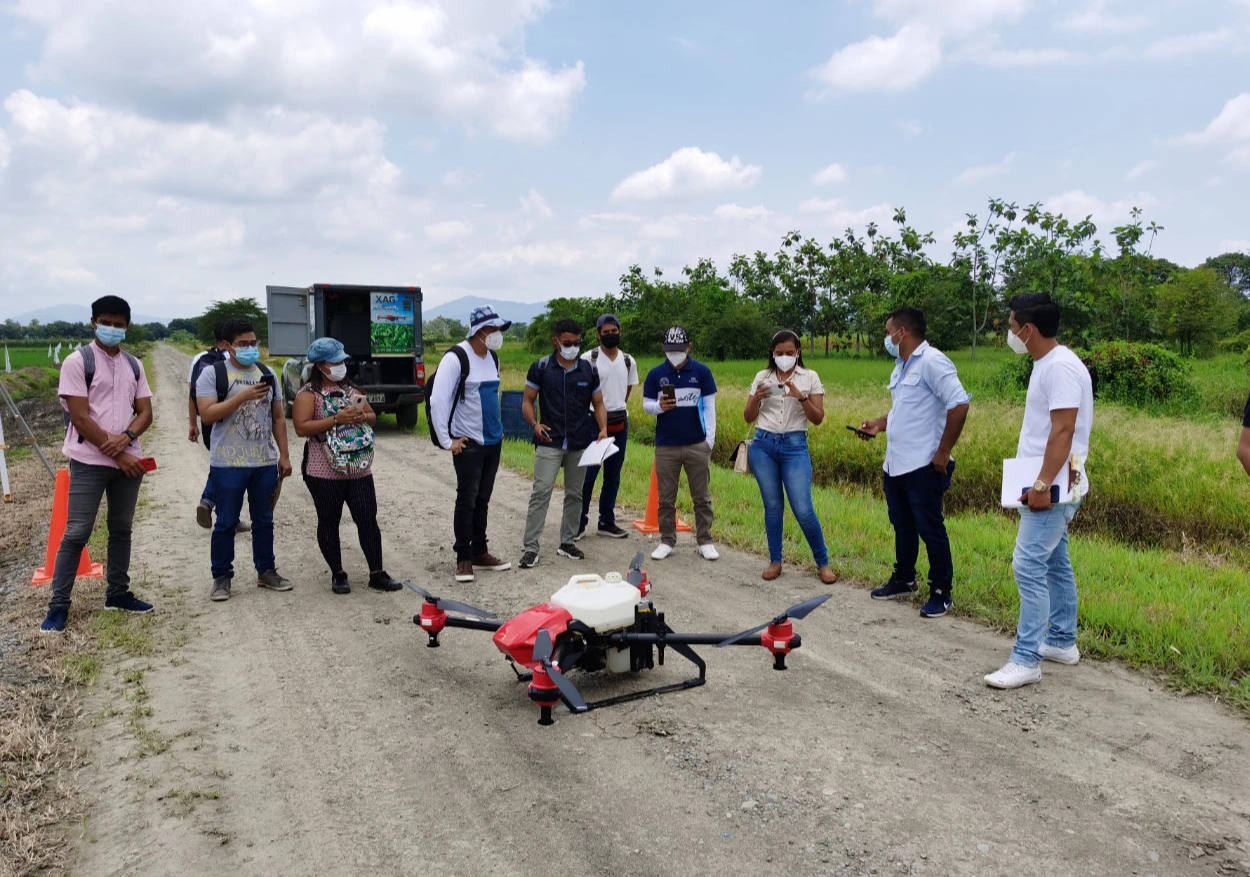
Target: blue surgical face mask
(891,347)
(247,355)
(110,336)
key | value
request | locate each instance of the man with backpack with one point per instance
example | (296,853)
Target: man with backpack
(618,375)
(109,404)
(463,412)
(202,360)
(242,401)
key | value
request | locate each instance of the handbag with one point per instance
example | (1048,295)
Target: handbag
(741,457)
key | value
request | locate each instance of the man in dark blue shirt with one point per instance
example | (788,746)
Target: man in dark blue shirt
(681,393)
(566,388)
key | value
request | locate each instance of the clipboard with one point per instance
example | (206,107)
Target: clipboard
(598,451)
(1019,474)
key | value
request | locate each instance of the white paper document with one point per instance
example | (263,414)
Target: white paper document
(1020,473)
(598,452)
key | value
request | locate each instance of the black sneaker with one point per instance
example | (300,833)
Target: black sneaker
(894,588)
(939,604)
(381,581)
(529,559)
(274,582)
(339,583)
(221,589)
(612,531)
(571,551)
(581,534)
(127,602)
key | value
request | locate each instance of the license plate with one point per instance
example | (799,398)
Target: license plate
(376,397)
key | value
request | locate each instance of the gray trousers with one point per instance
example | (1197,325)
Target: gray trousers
(696,459)
(547,462)
(87,486)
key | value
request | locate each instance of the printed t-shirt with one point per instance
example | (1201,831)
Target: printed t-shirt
(244,438)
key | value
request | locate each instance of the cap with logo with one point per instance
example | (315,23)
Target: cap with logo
(326,350)
(675,339)
(486,316)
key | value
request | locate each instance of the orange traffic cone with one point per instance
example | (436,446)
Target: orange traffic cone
(651,524)
(60,516)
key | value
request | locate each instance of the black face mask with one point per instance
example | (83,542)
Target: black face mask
(611,341)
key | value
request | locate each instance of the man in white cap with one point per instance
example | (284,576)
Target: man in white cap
(465,416)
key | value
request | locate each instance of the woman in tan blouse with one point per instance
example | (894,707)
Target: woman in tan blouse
(785,398)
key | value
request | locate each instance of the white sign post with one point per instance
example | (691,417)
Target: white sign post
(4,469)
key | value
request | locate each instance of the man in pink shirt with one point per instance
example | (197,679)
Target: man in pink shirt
(106,394)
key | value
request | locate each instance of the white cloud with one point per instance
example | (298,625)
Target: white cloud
(688,171)
(834,173)
(1235,246)
(5,150)
(448,230)
(207,246)
(832,212)
(986,171)
(607,218)
(1232,125)
(736,213)
(910,128)
(130,222)
(1007,58)
(1140,168)
(1239,158)
(954,17)
(1191,44)
(1076,204)
(534,205)
(456,178)
(1096,18)
(461,62)
(883,64)
(543,254)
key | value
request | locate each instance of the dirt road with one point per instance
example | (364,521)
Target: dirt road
(309,733)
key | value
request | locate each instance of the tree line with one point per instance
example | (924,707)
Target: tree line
(838,293)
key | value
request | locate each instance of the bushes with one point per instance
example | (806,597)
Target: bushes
(1121,371)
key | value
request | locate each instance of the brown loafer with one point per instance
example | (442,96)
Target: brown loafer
(490,561)
(827,575)
(773,570)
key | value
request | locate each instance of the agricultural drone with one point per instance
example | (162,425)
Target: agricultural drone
(598,623)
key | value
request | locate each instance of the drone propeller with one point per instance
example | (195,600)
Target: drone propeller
(542,654)
(798,610)
(635,570)
(450,605)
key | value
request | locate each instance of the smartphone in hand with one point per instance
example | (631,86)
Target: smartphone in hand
(148,464)
(668,391)
(859,432)
(1054,494)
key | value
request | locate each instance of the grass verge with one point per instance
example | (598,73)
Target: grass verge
(1183,614)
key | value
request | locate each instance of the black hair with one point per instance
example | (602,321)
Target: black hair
(783,335)
(566,325)
(911,319)
(1037,308)
(111,304)
(219,331)
(234,327)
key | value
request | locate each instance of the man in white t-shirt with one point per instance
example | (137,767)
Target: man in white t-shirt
(1058,414)
(618,375)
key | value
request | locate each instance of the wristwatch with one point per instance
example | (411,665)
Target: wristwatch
(133,437)
(1040,486)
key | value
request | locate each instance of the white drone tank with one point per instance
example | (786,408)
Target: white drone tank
(602,602)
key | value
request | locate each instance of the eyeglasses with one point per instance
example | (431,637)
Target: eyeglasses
(246,344)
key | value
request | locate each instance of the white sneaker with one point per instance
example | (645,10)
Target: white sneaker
(1070,655)
(709,551)
(1013,675)
(662,551)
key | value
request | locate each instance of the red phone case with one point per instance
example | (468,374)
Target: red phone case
(148,463)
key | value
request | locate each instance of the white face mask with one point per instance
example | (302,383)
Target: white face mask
(676,357)
(494,341)
(337,372)
(785,363)
(569,352)
(1016,344)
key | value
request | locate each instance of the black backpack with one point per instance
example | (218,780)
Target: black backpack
(212,355)
(222,381)
(457,396)
(88,373)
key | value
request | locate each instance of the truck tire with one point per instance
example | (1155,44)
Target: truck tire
(407,415)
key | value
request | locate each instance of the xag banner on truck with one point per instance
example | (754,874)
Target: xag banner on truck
(391,328)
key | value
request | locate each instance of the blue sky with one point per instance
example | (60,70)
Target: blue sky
(523,149)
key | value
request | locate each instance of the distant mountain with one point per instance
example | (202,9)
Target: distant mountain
(76,313)
(460,308)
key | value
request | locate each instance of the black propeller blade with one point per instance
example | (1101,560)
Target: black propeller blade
(635,570)
(451,605)
(798,610)
(542,654)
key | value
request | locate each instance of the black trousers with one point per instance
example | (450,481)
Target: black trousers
(328,496)
(476,467)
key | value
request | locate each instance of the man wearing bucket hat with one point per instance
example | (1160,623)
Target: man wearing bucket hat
(681,393)
(465,416)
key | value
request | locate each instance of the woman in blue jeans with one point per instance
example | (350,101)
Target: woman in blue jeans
(785,399)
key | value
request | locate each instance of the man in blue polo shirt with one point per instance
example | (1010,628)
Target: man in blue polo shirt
(681,393)
(566,389)
(930,406)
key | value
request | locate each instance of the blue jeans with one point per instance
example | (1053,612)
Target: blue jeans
(611,482)
(914,500)
(231,484)
(1046,583)
(781,459)
(208,495)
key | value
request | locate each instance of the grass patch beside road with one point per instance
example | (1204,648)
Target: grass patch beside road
(1187,617)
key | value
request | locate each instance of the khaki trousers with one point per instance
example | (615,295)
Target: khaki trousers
(696,459)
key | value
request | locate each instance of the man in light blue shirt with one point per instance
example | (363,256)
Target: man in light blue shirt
(925,420)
